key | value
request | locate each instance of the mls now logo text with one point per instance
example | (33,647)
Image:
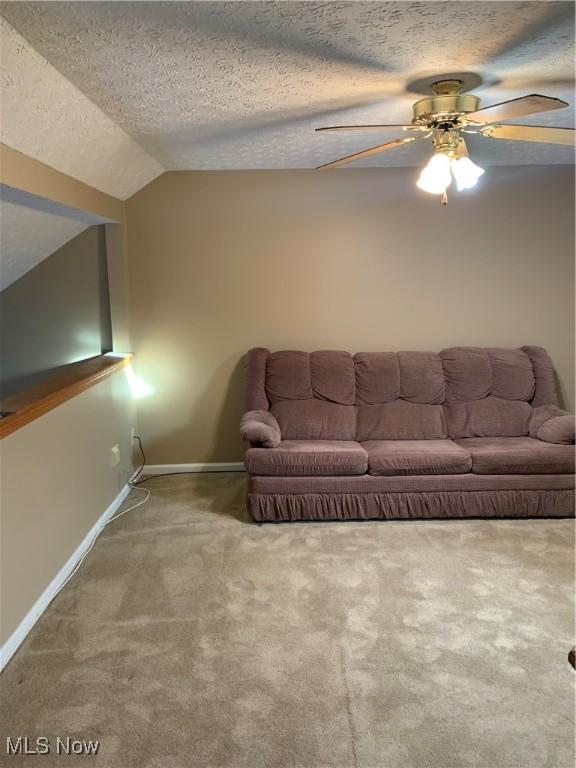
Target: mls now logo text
(42,745)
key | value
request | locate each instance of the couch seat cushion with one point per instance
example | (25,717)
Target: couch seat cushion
(308,457)
(416,457)
(518,456)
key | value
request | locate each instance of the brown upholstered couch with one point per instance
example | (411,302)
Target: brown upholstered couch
(468,432)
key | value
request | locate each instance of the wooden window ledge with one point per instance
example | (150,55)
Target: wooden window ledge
(29,405)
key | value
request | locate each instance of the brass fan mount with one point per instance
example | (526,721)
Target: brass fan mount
(445,107)
(447,140)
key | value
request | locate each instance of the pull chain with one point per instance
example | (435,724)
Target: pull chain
(444,199)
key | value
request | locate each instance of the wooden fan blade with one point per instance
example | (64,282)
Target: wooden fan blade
(532,133)
(526,105)
(360,127)
(366,153)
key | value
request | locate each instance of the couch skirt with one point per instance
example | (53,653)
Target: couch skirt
(283,499)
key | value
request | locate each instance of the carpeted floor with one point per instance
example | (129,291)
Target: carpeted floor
(193,639)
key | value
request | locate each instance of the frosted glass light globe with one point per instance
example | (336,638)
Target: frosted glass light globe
(435,177)
(465,172)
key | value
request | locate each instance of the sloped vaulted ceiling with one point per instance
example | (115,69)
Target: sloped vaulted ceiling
(45,116)
(216,85)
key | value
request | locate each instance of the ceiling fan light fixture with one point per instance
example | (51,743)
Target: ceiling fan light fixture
(435,177)
(447,115)
(465,172)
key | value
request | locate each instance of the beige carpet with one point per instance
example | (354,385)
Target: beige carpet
(193,639)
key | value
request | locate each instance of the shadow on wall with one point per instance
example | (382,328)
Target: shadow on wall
(562,395)
(223,397)
(233,406)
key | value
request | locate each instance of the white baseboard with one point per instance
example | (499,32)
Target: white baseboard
(19,635)
(166,469)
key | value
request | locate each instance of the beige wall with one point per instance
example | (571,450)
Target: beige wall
(355,259)
(55,472)
(56,482)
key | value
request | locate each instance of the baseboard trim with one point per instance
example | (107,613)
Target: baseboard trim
(20,633)
(166,469)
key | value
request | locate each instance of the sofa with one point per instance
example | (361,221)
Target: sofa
(466,432)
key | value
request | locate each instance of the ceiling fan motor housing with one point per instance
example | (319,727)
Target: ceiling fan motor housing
(446,105)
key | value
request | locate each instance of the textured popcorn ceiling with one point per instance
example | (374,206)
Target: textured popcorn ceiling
(45,116)
(204,85)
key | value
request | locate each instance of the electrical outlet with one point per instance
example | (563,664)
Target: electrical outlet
(115,455)
(133,432)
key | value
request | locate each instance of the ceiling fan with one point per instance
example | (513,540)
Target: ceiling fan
(448,114)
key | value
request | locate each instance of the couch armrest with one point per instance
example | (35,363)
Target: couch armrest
(558,429)
(260,428)
(541,414)
(552,425)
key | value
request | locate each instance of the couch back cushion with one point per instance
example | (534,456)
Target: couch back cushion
(474,372)
(400,420)
(313,394)
(488,391)
(488,417)
(459,392)
(315,420)
(399,396)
